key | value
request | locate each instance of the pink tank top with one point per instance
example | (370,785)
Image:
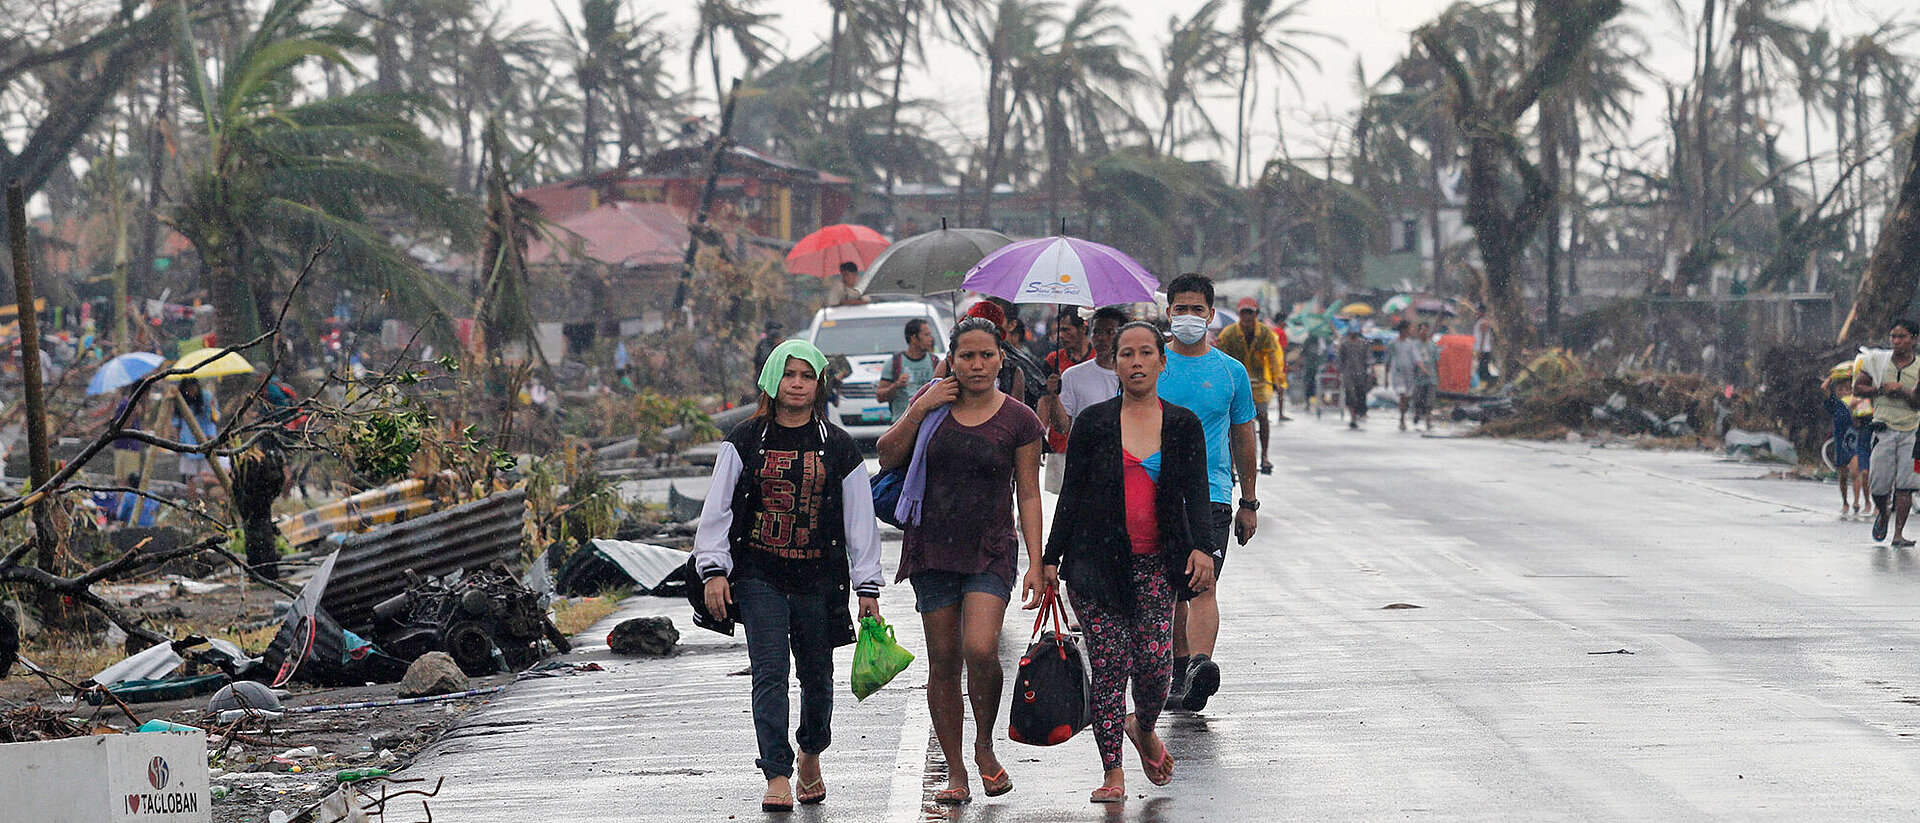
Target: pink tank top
(1143,521)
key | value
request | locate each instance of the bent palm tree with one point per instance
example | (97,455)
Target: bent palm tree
(278,176)
(1194,57)
(1263,36)
(736,20)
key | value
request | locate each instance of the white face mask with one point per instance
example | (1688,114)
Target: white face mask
(1188,328)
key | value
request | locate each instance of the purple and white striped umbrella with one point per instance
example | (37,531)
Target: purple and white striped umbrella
(1062,270)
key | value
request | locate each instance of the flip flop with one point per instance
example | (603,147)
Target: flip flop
(812,793)
(776,802)
(1159,770)
(996,784)
(1108,794)
(958,796)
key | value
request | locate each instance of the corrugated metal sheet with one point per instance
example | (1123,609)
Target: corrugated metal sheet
(372,566)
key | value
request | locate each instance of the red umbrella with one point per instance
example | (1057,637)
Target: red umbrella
(821,253)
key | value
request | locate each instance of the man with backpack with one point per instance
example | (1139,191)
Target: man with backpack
(908,370)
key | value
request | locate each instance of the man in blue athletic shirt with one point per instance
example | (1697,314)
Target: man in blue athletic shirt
(1214,386)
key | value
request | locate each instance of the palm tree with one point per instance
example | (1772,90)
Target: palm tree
(1337,220)
(1146,204)
(1194,57)
(1262,35)
(595,66)
(737,21)
(1080,80)
(1813,84)
(1006,40)
(860,31)
(620,72)
(498,72)
(1598,89)
(504,309)
(279,177)
(1764,43)
(779,109)
(1873,75)
(1489,97)
(904,36)
(1601,87)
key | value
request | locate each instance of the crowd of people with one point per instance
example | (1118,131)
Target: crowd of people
(1129,418)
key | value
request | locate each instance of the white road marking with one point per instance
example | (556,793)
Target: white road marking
(904,802)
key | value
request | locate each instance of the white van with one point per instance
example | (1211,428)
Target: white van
(868,335)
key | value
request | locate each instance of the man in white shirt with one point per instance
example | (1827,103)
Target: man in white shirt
(1087,383)
(1890,379)
(1483,344)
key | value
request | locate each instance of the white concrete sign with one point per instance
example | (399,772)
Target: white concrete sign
(155,777)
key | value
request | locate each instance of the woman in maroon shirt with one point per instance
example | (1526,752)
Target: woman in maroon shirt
(1147,458)
(960,555)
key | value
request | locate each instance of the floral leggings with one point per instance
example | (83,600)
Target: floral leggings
(1120,646)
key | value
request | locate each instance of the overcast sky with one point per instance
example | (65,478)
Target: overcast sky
(1375,32)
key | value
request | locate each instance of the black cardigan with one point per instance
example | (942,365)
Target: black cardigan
(1089,540)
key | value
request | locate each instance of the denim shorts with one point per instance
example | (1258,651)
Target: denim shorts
(936,590)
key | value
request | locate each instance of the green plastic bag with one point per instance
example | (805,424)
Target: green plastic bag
(877,657)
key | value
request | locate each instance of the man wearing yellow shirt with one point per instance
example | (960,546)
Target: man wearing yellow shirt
(1889,378)
(1258,348)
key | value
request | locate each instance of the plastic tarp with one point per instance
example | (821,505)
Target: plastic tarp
(605,562)
(154,663)
(162,660)
(1754,444)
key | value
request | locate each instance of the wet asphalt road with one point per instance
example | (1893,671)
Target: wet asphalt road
(1603,634)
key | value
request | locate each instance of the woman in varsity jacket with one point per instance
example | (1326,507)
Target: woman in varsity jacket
(786,536)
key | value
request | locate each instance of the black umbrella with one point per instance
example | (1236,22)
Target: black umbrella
(930,263)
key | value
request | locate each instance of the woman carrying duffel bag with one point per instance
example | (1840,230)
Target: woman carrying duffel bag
(1147,458)
(787,534)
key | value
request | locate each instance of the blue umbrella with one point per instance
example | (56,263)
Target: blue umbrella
(124,370)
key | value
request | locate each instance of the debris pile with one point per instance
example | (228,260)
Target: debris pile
(1659,405)
(30,722)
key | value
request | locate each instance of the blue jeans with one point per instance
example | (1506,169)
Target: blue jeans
(787,632)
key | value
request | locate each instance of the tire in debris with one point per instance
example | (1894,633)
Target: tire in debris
(644,636)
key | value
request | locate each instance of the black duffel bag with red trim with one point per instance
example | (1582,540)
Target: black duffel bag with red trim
(1051,693)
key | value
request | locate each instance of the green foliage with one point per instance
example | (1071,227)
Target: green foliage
(279,175)
(572,502)
(654,413)
(381,447)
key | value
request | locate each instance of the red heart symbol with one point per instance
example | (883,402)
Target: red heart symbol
(133,804)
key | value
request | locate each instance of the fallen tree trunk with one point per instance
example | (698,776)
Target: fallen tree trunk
(1887,287)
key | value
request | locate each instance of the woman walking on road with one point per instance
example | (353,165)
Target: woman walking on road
(787,531)
(1139,455)
(971,450)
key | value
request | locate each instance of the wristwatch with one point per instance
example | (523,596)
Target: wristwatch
(1250,505)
